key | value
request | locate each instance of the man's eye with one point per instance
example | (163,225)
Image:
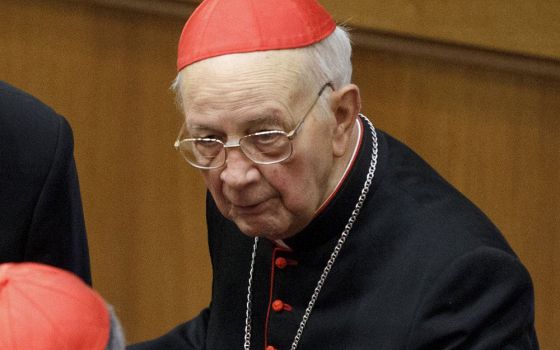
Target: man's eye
(268,138)
(206,146)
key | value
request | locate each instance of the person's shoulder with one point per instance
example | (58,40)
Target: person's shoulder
(414,198)
(18,97)
(31,133)
(23,111)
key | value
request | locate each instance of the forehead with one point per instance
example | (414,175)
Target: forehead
(239,86)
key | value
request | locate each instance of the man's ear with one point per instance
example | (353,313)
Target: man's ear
(346,105)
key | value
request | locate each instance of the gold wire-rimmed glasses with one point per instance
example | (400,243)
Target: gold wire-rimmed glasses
(263,147)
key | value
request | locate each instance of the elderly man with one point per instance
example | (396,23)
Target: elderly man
(324,232)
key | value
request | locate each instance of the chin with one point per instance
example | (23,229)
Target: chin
(260,230)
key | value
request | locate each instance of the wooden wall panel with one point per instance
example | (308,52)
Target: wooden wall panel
(493,133)
(528,27)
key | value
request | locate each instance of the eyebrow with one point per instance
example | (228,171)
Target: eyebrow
(270,119)
(198,127)
(267,118)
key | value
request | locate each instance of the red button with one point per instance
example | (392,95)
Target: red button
(270,347)
(277,305)
(280,263)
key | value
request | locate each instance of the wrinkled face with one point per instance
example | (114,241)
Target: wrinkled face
(231,96)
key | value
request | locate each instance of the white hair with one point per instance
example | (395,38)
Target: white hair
(116,334)
(329,59)
(326,61)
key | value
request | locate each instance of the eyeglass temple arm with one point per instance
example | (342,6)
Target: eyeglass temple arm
(296,130)
(328,84)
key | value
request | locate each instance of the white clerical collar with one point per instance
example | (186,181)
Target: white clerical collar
(351,162)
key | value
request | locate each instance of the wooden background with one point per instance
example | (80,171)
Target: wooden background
(474,88)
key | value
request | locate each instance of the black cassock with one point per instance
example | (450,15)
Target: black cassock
(422,268)
(41,217)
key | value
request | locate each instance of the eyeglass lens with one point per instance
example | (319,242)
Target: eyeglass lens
(264,147)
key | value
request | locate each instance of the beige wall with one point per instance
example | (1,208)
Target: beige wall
(492,131)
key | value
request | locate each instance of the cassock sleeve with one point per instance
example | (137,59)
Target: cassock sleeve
(57,234)
(187,336)
(483,300)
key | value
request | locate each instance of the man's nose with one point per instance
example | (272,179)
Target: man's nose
(239,171)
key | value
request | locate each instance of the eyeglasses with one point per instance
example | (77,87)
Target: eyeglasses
(264,147)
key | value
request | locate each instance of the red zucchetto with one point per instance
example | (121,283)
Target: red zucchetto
(221,27)
(46,308)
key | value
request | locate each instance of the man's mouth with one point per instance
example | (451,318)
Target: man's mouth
(250,208)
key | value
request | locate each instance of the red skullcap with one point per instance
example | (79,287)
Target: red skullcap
(221,27)
(42,307)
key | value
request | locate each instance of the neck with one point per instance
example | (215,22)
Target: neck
(343,164)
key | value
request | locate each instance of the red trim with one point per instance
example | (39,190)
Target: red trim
(346,173)
(272,269)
